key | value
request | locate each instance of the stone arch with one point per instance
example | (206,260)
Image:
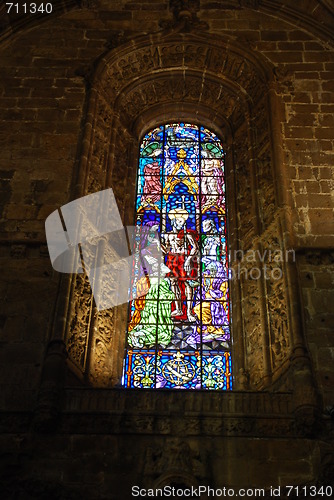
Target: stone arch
(221,84)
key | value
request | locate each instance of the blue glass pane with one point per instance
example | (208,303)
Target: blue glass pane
(139,369)
(151,142)
(147,215)
(181,157)
(181,132)
(209,136)
(178,370)
(216,371)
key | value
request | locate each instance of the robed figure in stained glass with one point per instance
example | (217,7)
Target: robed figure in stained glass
(153,305)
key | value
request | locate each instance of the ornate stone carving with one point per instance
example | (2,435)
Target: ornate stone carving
(279,326)
(101,348)
(179,88)
(284,79)
(186,55)
(205,426)
(155,402)
(177,456)
(174,461)
(18,251)
(185,16)
(276,297)
(267,205)
(99,148)
(116,38)
(253,329)
(260,118)
(243,189)
(179,6)
(79,322)
(88,4)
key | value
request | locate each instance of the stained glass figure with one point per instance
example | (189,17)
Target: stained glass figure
(178,334)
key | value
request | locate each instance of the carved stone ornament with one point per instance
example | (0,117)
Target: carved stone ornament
(119,411)
(306,421)
(18,251)
(116,38)
(175,462)
(79,325)
(88,4)
(175,456)
(185,16)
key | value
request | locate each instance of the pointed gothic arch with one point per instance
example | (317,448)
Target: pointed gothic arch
(224,86)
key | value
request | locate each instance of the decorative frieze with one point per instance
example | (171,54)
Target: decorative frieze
(153,412)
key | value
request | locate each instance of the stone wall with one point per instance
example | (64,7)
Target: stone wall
(49,131)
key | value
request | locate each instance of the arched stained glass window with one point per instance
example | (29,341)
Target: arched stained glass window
(178,334)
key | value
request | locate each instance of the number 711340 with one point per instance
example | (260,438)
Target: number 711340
(29,8)
(309,491)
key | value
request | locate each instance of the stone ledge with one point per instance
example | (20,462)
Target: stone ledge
(186,413)
(171,402)
(184,425)
(173,412)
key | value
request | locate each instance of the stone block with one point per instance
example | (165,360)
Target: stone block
(324,133)
(301,132)
(274,35)
(285,57)
(299,35)
(116,15)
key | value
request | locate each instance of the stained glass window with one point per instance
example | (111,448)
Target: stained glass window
(178,334)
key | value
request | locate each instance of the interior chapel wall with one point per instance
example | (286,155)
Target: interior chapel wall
(45,102)
(44,107)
